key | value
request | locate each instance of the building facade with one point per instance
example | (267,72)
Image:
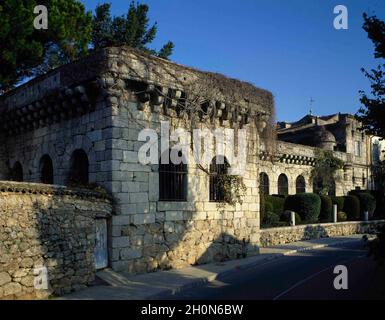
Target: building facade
(80,125)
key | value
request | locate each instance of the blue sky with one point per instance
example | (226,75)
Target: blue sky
(288,47)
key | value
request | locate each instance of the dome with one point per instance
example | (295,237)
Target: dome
(324,135)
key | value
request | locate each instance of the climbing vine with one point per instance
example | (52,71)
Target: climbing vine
(232,187)
(325,169)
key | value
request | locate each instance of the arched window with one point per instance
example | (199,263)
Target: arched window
(172,182)
(283,185)
(79,164)
(264,183)
(300,185)
(318,185)
(17,172)
(46,169)
(219,166)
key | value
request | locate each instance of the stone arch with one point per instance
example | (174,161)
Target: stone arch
(80,142)
(172,181)
(219,165)
(264,183)
(300,184)
(79,168)
(17,172)
(46,170)
(283,184)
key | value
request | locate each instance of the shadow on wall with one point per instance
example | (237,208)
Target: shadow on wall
(48,235)
(224,248)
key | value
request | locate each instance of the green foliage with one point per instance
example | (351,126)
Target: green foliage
(286,217)
(326,214)
(352,207)
(307,205)
(277,203)
(25,51)
(341,216)
(367,202)
(372,112)
(271,219)
(325,169)
(339,201)
(232,187)
(132,30)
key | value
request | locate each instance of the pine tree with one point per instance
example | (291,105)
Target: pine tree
(132,30)
(372,113)
(25,51)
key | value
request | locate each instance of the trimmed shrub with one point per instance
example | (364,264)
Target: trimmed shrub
(341,216)
(307,205)
(286,217)
(277,203)
(367,202)
(326,214)
(270,219)
(352,207)
(339,201)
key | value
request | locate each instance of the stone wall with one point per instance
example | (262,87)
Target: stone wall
(46,227)
(277,236)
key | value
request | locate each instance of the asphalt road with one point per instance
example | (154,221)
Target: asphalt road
(307,275)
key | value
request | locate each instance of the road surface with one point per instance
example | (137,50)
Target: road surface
(306,275)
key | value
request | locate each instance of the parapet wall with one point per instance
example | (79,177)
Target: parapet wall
(277,236)
(47,236)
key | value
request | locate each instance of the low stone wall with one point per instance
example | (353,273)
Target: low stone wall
(47,236)
(277,236)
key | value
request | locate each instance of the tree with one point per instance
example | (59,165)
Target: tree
(132,30)
(325,169)
(372,113)
(25,51)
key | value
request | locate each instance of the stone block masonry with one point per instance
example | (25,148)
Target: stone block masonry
(47,228)
(277,236)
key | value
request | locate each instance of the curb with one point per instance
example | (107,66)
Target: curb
(274,256)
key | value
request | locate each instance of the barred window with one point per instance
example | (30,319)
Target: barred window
(300,185)
(46,169)
(283,185)
(17,172)
(219,166)
(264,185)
(79,168)
(172,182)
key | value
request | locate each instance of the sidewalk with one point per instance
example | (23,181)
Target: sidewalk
(121,286)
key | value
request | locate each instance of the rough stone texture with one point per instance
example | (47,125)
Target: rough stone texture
(46,226)
(50,116)
(277,236)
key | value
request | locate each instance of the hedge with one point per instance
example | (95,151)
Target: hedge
(277,202)
(341,216)
(352,207)
(326,214)
(307,205)
(286,217)
(367,202)
(270,219)
(339,201)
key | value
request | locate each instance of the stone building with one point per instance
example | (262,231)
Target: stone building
(79,125)
(339,133)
